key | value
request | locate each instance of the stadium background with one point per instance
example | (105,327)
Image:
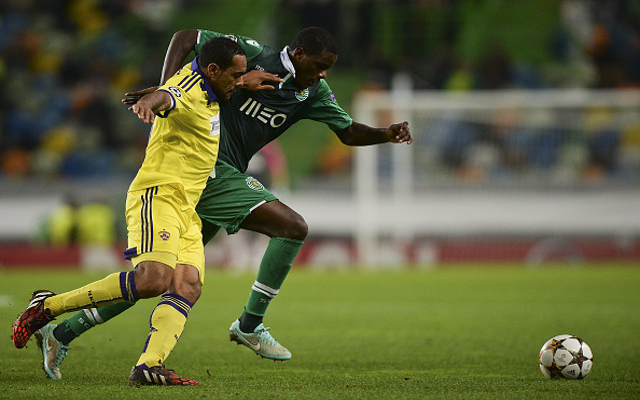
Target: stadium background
(483,187)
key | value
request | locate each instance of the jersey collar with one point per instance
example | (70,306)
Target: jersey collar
(288,65)
(205,82)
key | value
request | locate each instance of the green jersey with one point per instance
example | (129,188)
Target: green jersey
(251,119)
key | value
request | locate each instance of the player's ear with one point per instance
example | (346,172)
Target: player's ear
(213,70)
(299,53)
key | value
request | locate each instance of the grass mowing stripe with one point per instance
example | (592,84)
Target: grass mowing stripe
(445,333)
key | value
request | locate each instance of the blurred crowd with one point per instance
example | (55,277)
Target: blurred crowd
(465,45)
(586,43)
(64,65)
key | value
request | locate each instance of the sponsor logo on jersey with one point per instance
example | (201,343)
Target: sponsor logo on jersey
(302,95)
(260,68)
(234,38)
(175,91)
(253,43)
(254,184)
(215,125)
(254,109)
(332,96)
(164,235)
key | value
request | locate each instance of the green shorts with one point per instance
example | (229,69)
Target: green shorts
(228,199)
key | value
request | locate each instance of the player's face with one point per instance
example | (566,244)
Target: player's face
(225,82)
(311,68)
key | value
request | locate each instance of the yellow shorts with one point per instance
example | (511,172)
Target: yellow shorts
(162,228)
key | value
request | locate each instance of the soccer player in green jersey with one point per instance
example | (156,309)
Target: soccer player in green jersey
(233,200)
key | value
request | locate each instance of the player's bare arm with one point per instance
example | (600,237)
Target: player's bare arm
(182,44)
(358,134)
(131,98)
(150,104)
(255,80)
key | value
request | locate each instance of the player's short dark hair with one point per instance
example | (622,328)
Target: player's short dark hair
(314,40)
(219,50)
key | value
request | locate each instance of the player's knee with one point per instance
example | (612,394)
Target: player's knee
(152,278)
(190,292)
(296,228)
(186,282)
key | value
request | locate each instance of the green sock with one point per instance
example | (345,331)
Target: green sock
(86,319)
(63,333)
(275,265)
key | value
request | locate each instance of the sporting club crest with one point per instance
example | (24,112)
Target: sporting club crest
(254,184)
(302,95)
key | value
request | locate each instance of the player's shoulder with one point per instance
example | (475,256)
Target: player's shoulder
(322,90)
(323,86)
(184,84)
(251,47)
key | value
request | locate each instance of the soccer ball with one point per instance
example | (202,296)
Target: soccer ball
(565,356)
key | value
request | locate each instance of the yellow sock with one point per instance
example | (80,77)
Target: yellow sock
(167,323)
(112,289)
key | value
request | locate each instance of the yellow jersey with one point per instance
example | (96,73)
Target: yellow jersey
(184,140)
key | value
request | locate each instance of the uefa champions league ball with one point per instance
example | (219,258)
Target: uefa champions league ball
(565,356)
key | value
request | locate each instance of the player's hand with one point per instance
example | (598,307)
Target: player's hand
(254,80)
(145,114)
(131,98)
(399,133)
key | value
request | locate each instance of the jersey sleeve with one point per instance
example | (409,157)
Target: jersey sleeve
(326,109)
(251,47)
(178,87)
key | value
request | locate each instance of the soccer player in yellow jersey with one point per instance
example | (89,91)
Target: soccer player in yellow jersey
(163,227)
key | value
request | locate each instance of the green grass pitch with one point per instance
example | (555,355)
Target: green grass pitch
(469,332)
